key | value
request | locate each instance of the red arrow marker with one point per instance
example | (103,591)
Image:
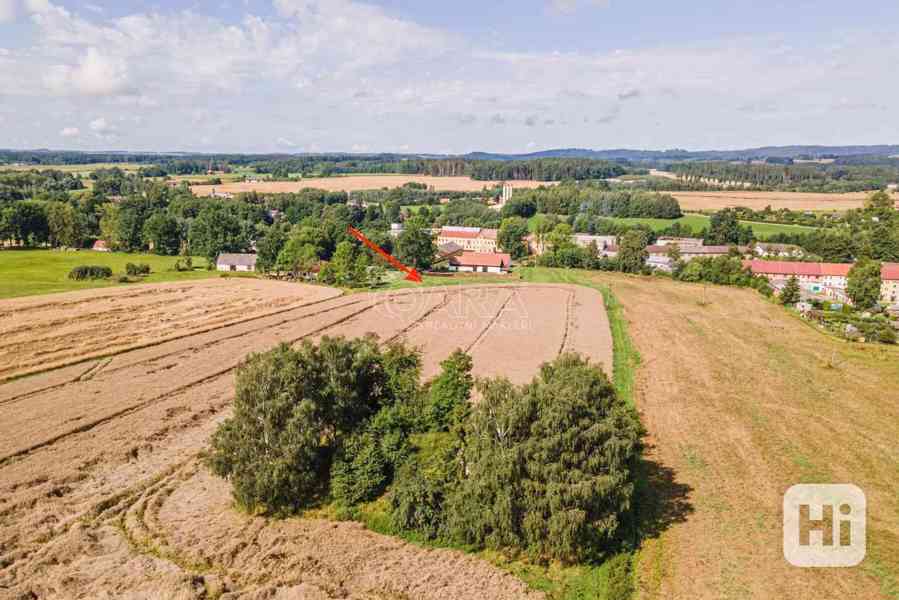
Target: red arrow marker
(411,274)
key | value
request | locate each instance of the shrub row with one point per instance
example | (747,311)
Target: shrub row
(84,272)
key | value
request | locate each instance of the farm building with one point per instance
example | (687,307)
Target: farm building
(242,263)
(471,239)
(447,251)
(658,254)
(100,246)
(480,262)
(606,244)
(766,250)
(824,279)
(680,242)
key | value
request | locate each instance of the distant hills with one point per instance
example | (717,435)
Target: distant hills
(794,152)
(620,154)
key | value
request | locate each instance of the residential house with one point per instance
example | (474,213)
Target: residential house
(889,290)
(481,262)
(242,263)
(471,239)
(101,246)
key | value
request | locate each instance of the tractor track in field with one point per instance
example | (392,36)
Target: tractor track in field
(174,338)
(120,504)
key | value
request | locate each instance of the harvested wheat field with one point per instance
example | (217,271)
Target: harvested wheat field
(355,183)
(102,494)
(741,401)
(759,200)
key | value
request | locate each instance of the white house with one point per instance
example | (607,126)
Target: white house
(478,262)
(241,263)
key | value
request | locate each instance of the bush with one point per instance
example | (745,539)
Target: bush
(360,472)
(136,270)
(417,498)
(295,409)
(886,335)
(90,272)
(620,577)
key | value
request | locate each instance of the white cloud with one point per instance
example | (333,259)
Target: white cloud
(345,71)
(569,6)
(95,74)
(100,125)
(70,132)
(38,6)
(8,11)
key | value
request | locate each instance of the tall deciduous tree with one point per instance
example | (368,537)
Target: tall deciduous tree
(632,252)
(511,237)
(415,246)
(864,283)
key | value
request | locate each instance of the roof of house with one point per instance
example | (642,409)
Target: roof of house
(889,271)
(780,267)
(238,260)
(469,233)
(482,259)
(656,249)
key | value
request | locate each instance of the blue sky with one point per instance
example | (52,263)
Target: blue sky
(416,76)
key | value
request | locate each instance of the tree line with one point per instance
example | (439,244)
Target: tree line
(805,177)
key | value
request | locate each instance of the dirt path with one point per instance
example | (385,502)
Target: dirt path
(102,495)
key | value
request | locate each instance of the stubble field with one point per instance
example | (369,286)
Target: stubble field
(102,492)
(741,401)
(697,201)
(355,183)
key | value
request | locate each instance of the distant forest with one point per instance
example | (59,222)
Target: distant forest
(801,177)
(858,169)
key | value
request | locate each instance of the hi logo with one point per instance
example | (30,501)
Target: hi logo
(824,525)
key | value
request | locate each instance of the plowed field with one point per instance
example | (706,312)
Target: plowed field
(102,494)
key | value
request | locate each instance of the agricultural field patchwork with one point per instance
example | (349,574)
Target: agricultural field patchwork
(354,183)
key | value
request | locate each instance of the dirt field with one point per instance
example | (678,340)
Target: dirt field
(355,183)
(759,200)
(101,491)
(742,401)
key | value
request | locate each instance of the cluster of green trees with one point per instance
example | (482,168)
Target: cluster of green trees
(44,185)
(592,199)
(806,177)
(546,468)
(870,232)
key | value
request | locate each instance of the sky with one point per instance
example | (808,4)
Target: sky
(422,76)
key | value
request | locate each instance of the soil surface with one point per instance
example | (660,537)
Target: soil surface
(354,183)
(759,200)
(102,494)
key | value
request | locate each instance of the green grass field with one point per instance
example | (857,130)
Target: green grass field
(696,223)
(34,272)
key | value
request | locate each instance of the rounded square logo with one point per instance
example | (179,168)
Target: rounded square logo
(824,525)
